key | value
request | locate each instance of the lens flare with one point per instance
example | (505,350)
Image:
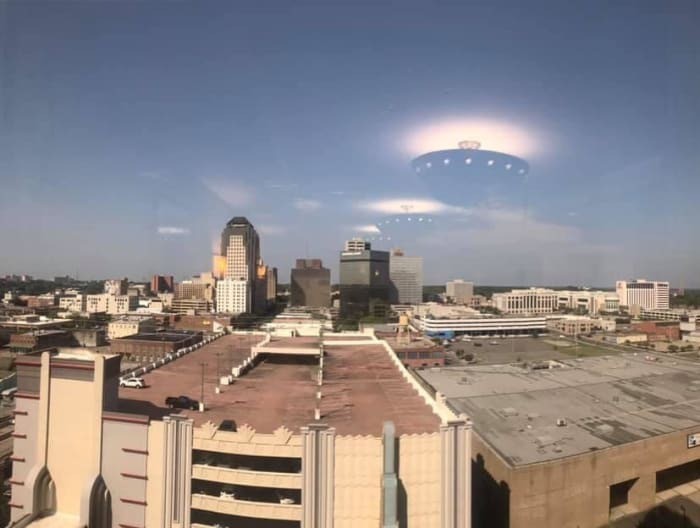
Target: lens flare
(491,134)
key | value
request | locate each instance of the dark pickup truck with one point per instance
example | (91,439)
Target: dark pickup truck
(181,402)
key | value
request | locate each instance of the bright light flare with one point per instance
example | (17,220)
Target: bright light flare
(493,135)
(405,206)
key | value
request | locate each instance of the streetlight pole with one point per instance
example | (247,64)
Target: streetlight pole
(203,365)
(218,374)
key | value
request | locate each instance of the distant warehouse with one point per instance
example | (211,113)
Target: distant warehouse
(156,344)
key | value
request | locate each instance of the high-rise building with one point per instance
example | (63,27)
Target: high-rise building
(406,275)
(650,295)
(365,285)
(459,291)
(162,284)
(310,284)
(116,286)
(357,244)
(240,245)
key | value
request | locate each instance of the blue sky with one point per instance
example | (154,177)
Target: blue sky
(119,119)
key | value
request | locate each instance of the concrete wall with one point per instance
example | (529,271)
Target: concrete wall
(71,439)
(124,469)
(24,454)
(358,471)
(155,467)
(420,476)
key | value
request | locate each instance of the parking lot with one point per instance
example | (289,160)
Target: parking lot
(514,350)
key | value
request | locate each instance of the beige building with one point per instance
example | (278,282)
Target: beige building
(73,303)
(641,294)
(459,291)
(571,324)
(589,301)
(530,301)
(111,304)
(624,338)
(338,435)
(116,286)
(194,295)
(543,301)
(130,325)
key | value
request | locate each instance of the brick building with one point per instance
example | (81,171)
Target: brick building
(659,330)
(40,340)
(154,345)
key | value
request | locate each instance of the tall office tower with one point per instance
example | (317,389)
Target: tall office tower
(357,244)
(116,286)
(240,245)
(311,284)
(162,284)
(650,295)
(406,275)
(365,285)
(459,291)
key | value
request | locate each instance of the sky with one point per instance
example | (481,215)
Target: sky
(130,132)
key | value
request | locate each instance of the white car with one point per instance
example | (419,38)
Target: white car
(133,383)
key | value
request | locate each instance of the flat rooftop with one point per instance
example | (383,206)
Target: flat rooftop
(171,337)
(362,389)
(604,400)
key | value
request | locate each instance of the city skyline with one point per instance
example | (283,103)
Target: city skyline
(134,132)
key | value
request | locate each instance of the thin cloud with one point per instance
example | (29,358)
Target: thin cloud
(232,192)
(173,230)
(156,175)
(271,229)
(280,186)
(366,229)
(307,205)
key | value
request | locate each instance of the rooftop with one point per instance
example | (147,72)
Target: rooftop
(605,401)
(171,337)
(362,388)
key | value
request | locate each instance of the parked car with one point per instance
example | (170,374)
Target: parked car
(228,425)
(9,394)
(181,402)
(133,383)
